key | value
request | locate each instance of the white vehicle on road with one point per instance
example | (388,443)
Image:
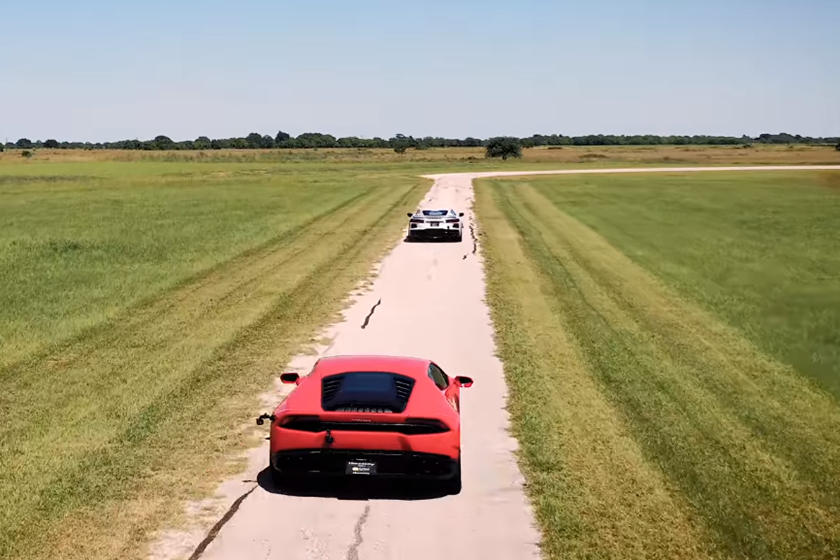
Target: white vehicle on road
(435,224)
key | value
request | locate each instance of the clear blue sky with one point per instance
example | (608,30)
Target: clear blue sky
(113,70)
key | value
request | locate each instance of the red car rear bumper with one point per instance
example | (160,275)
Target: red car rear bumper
(417,455)
(335,462)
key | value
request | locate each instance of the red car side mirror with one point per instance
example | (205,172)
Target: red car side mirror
(290,378)
(464,381)
(409,214)
(461,214)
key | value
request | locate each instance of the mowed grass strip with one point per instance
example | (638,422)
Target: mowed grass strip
(105,436)
(746,448)
(596,495)
(74,252)
(758,249)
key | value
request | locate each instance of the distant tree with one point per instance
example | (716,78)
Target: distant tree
(254,140)
(837,147)
(202,143)
(26,154)
(503,147)
(122,145)
(400,143)
(350,142)
(780,138)
(161,142)
(315,140)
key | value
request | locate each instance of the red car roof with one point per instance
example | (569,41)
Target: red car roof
(412,367)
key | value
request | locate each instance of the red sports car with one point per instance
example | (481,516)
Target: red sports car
(376,416)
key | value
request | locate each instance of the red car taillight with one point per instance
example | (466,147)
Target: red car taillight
(433,425)
(452,221)
(299,422)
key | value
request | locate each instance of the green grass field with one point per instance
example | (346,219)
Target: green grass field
(671,343)
(146,299)
(143,307)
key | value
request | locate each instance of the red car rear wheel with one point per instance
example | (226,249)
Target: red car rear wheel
(453,484)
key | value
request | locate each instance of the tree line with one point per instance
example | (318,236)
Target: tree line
(401,142)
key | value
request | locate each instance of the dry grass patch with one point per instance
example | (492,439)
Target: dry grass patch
(465,158)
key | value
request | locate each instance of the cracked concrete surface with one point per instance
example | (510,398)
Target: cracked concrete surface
(369,315)
(202,546)
(353,551)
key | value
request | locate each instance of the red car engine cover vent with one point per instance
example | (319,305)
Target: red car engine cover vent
(366,391)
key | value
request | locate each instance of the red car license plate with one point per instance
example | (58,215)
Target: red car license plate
(434,223)
(361,467)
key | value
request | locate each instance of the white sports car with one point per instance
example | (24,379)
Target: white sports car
(435,224)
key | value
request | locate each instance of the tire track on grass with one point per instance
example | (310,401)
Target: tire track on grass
(148,310)
(677,392)
(214,291)
(614,500)
(755,416)
(779,409)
